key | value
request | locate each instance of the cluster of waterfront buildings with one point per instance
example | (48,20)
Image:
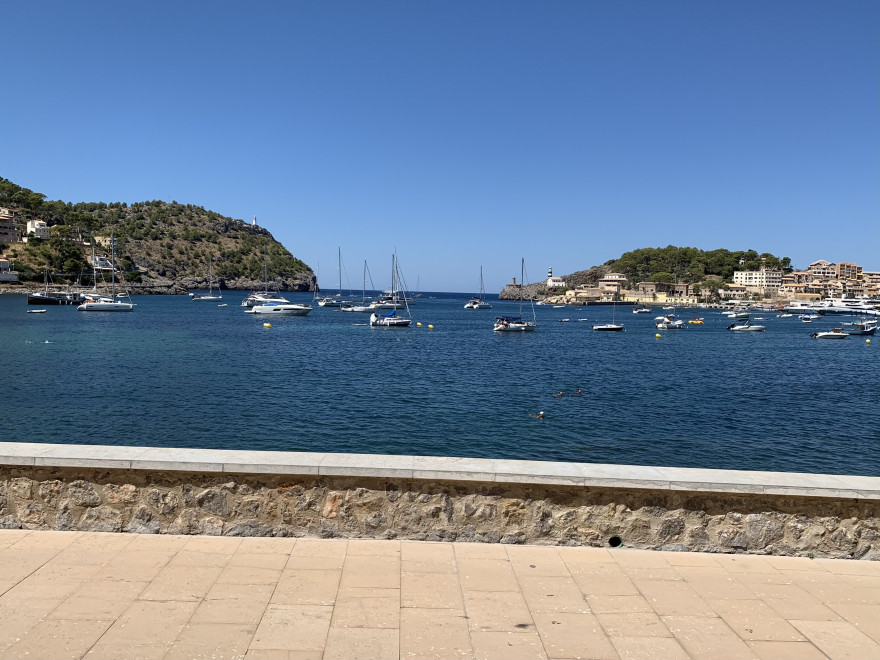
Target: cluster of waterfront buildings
(820,280)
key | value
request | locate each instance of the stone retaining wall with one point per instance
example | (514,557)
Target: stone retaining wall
(215,503)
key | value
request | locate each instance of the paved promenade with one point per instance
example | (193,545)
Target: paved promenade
(96,596)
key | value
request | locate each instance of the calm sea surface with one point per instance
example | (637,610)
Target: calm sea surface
(177,373)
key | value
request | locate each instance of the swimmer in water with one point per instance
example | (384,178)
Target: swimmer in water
(540,415)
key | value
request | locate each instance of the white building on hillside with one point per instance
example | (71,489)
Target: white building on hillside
(554,282)
(38,228)
(768,281)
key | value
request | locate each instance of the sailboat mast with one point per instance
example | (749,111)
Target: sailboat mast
(340,272)
(113,266)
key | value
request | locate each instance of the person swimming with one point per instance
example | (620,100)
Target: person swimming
(540,415)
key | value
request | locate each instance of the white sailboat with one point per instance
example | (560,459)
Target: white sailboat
(391,320)
(363,307)
(335,301)
(516,323)
(477,302)
(613,326)
(210,297)
(111,304)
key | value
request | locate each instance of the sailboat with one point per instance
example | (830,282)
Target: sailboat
(363,307)
(477,302)
(517,324)
(391,320)
(210,297)
(55,297)
(102,303)
(335,301)
(272,304)
(613,326)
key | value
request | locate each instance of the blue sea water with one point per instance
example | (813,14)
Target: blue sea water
(177,373)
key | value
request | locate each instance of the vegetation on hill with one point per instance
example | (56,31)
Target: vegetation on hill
(687,265)
(155,241)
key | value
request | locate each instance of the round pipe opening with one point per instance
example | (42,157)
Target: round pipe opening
(615,541)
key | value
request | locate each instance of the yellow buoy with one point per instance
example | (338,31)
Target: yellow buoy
(430,327)
(657,335)
(419,324)
(867,341)
(267,325)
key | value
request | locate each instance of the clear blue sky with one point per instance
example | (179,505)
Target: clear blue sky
(462,133)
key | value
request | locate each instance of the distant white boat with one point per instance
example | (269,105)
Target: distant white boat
(836,333)
(516,323)
(103,303)
(746,327)
(477,302)
(36,311)
(398,296)
(210,297)
(641,310)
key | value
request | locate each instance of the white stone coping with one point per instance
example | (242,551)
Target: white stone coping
(439,468)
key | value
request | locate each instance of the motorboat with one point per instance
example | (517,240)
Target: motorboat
(668,322)
(513,324)
(390,320)
(641,310)
(279,309)
(696,320)
(836,333)
(36,311)
(864,327)
(263,298)
(746,327)
(784,315)
(608,327)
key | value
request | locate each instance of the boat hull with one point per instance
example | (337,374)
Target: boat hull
(106,307)
(280,310)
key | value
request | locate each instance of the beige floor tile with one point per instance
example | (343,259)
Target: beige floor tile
(320,548)
(17,617)
(366,613)
(692,559)
(640,558)
(169,543)
(269,545)
(309,563)
(839,592)
(480,551)
(537,561)
(487,575)
(786,651)
(293,627)
(602,584)
(48,540)
(553,594)
(864,617)
(707,638)
(367,592)
(633,624)
(838,640)
(673,598)
(223,545)
(583,556)
(282,654)
(149,623)
(199,558)
(746,564)
(448,568)
(249,575)
(43,589)
(58,639)
(497,611)
(649,648)
(238,611)
(310,587)
(99,601)
(211,641)
(793,563)
(749,578)
(181,583)
(573,635)
(104,651)
(506,645)
(254,592)
(755,620)
(601,604)
(655,573)
(421,551)
(792,602)
(134,567)
(373,548)
(377,571)
(814,574)
(438,590)
(433,633)
(362,644)
(273,560)
(849,567)
(722,588)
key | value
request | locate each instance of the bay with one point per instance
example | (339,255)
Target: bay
(176,373)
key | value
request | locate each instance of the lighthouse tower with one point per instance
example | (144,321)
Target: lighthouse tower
(255,221)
